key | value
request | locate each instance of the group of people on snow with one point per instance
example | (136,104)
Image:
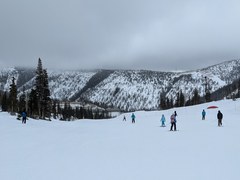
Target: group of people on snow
(173,119)
(219,117)
(132,116)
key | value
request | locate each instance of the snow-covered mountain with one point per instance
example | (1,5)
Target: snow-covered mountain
(125,89)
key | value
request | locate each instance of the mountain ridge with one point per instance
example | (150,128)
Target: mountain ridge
(125,89)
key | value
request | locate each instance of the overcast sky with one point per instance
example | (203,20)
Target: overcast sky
(127,34)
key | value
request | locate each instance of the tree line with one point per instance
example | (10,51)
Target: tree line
(38,104)
(231,91)
(180,100)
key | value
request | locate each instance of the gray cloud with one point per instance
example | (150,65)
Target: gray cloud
(137,34)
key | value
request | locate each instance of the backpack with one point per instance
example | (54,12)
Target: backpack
(172,118)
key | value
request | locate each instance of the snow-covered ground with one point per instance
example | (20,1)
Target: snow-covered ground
(117,150)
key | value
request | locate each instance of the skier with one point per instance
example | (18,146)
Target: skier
(175,113)
(173,122)
(124,118)
(24,117)
(163,121)
(203,115)
(133,118)
(220,117)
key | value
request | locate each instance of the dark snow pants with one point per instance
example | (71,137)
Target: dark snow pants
(24,119)
(219,122)
(173,125)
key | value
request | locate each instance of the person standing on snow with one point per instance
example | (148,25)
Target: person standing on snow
(203,115)
(175,113)
(124,118)
(163,121)
(173,122)
(220,117)
(24,117)
(133,118)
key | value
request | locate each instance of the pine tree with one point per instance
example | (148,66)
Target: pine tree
(4,102)
(54,109)
(168,103)
(106,115)
(171,102)
(42,91)
(39,88)
(77,112)
(33,103)
(177,103)
(238,88)
(181,99)
(189,102)
(13,97)
(90,113)
(22,102)
(96,114)
(81,113)
(207,90)
(208,96)
(66,112)
(196,97)
(46,103)
(1,95)
(59,109)
(163,101)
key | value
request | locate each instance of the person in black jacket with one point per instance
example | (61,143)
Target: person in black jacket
(220,117)
(175,113)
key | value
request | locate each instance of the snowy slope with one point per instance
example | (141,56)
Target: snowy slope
(117,150)
(6,78)
(64,85)
(131,90)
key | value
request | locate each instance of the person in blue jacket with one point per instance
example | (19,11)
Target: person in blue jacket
(163,121)
(24,117)
(203,114)
(133,118)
